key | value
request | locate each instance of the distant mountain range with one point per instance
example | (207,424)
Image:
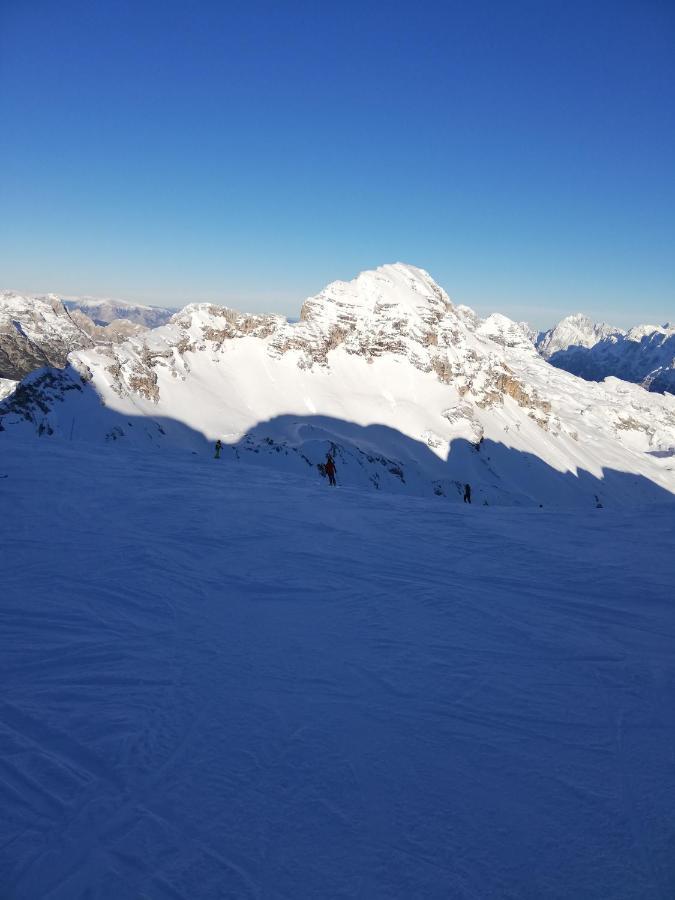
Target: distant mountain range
(644,355)
(103,312)
(41,331)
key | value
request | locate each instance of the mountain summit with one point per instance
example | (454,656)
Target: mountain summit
(574,331)
(644,355)
(407,390)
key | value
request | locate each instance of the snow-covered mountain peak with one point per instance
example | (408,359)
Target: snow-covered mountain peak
(576,330)
(505,331)
(638,332)
(396,308)
(411,392)
(391,290)
(644,355)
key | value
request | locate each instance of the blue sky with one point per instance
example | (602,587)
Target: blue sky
(249,153)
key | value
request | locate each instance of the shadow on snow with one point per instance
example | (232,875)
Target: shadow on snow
(373,457)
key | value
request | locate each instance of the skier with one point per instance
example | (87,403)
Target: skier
(219,446)
(467,493)
(329,468)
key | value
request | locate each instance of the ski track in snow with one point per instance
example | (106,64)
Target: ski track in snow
(224,682)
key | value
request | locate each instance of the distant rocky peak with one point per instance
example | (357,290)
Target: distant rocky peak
(505,331)
(577,330)
(103,312)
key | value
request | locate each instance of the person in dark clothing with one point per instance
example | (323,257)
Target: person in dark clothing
(467,493)
(329,468)
(219,446)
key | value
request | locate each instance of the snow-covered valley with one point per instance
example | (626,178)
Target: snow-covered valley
(222,680)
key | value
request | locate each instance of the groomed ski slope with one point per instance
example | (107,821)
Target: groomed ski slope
(222,681)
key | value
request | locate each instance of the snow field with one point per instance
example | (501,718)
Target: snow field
(225,681)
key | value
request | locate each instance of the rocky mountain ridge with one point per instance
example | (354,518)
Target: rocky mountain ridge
(644,355)
(408,390)
(42,330)
(105,311)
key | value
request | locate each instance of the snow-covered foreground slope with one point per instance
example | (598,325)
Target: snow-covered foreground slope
(410,392)
(223,681)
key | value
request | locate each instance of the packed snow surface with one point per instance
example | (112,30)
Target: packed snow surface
(222,680)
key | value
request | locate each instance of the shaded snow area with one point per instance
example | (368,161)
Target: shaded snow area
(220,680)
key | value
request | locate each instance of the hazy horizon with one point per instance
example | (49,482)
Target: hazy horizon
(521,153)
(290,306)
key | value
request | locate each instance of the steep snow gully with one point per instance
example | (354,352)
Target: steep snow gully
(226,680)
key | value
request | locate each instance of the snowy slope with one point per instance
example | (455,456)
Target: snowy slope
(7,387)
(644,355)
(221,681)
(386,372)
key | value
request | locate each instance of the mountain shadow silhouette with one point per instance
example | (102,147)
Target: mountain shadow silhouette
(373,457)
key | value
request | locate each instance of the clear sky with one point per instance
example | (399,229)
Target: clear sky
(251,152)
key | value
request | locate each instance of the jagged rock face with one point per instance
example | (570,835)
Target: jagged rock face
(392,310)
(36,332)
(574,331)
(41,331)
(506,332)
(396,311)
(379,370)
(662,379)
(113,333)
(644,355)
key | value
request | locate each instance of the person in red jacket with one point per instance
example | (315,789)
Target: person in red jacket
(329,468)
